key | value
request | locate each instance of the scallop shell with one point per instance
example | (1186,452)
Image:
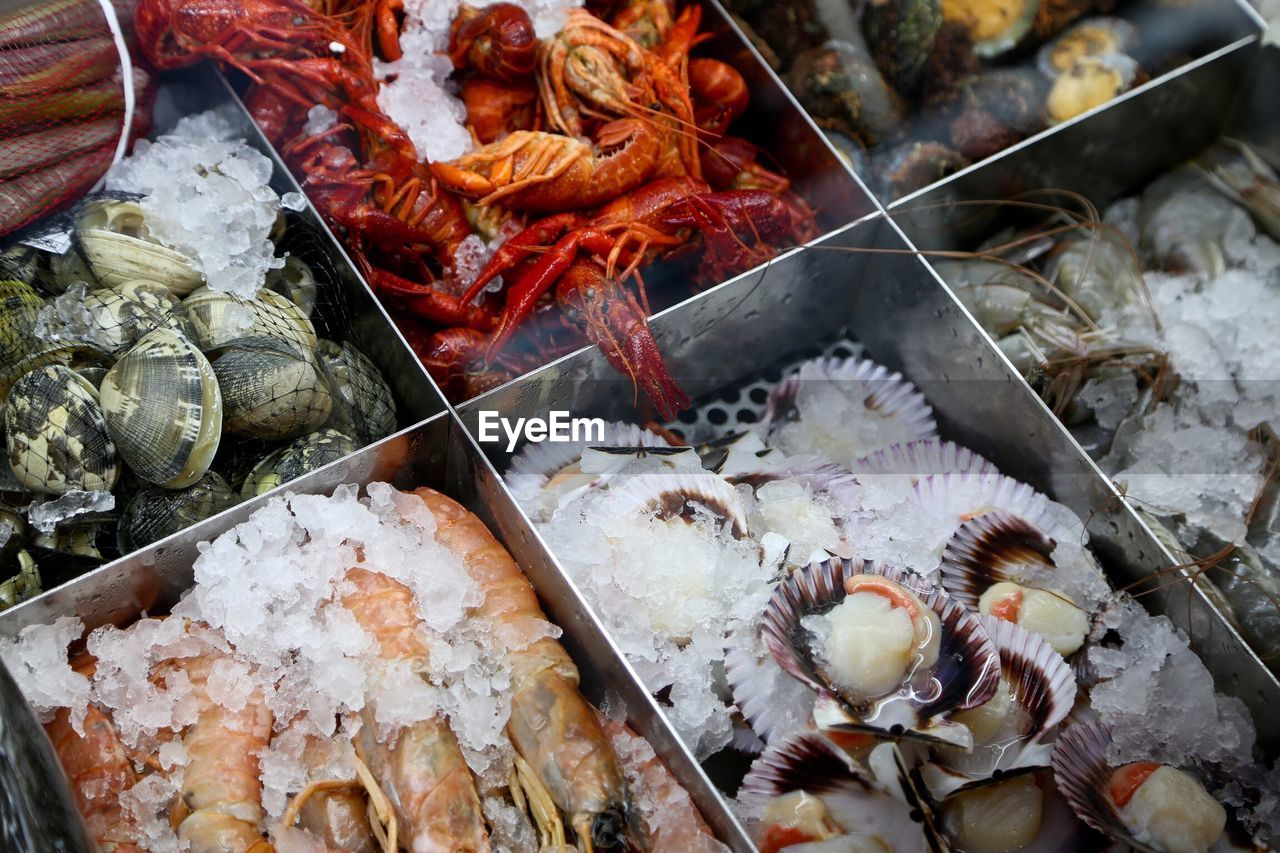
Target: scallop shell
(881,391)
(765,694)
(219,319)
(113,237)
(164,409)
(855,800)
(270,391)
(56,435)
(535,464)
(303,456)
(19,307)
(965,675)
(996,546)
(1044,689)
(121,315)
(154,512)
(919,459)
(1082,774)
(364,399)
(958,498)
(678,495)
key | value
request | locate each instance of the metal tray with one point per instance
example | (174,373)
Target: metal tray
(892,302)
(436,453)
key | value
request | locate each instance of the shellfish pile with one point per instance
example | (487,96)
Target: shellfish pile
(136,399)
(914,90)
(355,673)
(919,651)
(1151,342)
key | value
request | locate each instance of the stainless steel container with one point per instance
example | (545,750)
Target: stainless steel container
(889,299)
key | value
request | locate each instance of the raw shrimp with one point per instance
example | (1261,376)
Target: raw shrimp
(1245,178)
(1185,223)
(99,771)
(553,729)
(337,814)
(421,769)
(220,806)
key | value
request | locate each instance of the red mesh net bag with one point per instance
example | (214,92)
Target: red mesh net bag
(67,90)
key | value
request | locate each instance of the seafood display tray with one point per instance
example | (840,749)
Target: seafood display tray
(890,301)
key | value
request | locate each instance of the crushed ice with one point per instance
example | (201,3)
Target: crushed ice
(202,172)
(45,516)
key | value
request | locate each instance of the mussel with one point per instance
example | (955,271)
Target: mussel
(995,27)
(164,409)
(117,246)
(56,434)
(1090,82)
(842,89)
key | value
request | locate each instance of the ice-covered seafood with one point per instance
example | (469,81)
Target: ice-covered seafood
(1152,351)
(901,632)
(151,353)
(384,658)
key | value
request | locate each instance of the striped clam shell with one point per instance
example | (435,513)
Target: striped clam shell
(219,319)
(164,409)
(270,391)
(119,316)
(1043,689)
(113,237)
(965,675)
(19,307)
(856,799)
(300,457)
(364,399)
(74,355)
(155,512)
(56,436)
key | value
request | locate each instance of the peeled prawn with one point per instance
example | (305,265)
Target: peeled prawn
(421,769)
(220,809)
(552,727)
(99,771)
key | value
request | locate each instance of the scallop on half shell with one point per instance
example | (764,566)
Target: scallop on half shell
(931,655)
(164,409)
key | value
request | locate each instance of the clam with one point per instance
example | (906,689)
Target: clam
(303,456)
(1148,806)
(67,269)
(218,318)
(364,402)
(164,409)
(19,307)
(19,263)
(26,583)
(119,316)
(155,512)
(995,26)
(887,654)
(56,434)
(295,282)
(76,355)
(112,235)
(1090,82)
(271,391)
